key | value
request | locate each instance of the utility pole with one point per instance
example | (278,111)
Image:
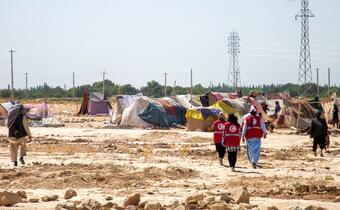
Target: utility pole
(317,82)
(305,64)
(26,91)
(12,78)
(234,68)
(103,82)
(73,86)
(210,86)
(165,75)
(191,84)
(329,81)
(174,90)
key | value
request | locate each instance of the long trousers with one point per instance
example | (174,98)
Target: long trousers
(232,158)
(220,150)
(14,147)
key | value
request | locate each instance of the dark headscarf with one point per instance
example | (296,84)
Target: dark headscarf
(15,111)
(232,118)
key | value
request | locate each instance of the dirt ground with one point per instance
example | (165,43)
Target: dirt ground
(97,160)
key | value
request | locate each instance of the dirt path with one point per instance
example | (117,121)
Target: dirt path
(167,165)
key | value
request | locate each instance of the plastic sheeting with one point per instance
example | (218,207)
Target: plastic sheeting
(122,102)
(156,115)
(130,114)
(36,111)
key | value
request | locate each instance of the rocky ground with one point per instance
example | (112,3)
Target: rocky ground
(169,169)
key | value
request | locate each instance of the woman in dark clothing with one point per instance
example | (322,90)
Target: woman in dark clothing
(218,128)
(319,132)
(336,116)
(232,140)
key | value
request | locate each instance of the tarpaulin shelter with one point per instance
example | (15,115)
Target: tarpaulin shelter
(130,114)
(185,101)
(211,98)
(302,114)
(156,115)
(122,102)
(4,109)
(36,111)
(146,112)
(94,104)
(202,118)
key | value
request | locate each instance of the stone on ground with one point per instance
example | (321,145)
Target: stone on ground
(152,205)
(9,198)
(22,194)
(70,194)
(241,195)
(220,206)
(34,200)
(132,200)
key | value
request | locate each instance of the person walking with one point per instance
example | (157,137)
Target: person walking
(335,116)
(318,131)
(252,132)
(18,130)
(232,140)
(218,128)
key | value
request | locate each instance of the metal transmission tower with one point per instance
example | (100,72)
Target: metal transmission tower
(305,65)
(234,69)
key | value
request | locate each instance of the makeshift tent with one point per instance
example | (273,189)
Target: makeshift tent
(130,114)
(302,114)
(122,102)
(4,109)
(94,104)
(146,112)
(211,98)
(185,101)
(202,118)
(36,111)
(241,105)
(156,115)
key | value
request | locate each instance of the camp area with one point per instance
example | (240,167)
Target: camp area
(170,105)
(162,148)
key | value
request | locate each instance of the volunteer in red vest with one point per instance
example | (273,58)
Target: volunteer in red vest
(253,130)
(218,128)
(232,140)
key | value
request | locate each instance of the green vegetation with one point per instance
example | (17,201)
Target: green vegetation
(154,89)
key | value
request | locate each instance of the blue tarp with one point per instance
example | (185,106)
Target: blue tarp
(155,115)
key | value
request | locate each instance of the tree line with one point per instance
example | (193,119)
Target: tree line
(155,89)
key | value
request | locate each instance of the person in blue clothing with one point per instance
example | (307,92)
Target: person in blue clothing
(252,132)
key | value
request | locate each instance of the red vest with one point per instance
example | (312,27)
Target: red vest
(232,134)
(218,130)
(254,129)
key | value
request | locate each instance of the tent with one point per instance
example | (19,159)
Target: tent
(130,114)
(156,115)
(94,104)
(202,118)
(145,112)
(37,111)
(211,98)
(185,101)
(122,102)
(4,108)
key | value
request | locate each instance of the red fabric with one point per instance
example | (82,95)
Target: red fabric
(255,130)
(218,130)
(232,135)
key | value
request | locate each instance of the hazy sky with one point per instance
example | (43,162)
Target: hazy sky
(136,41)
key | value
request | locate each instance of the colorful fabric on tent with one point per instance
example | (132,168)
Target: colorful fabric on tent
(225,108)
